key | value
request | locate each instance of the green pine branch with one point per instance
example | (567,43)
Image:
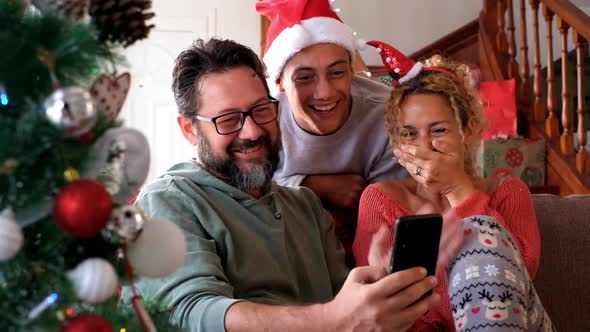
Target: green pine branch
(34,153)
(27,40)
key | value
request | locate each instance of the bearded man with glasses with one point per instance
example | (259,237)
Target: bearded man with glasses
(256,177)
(261,257)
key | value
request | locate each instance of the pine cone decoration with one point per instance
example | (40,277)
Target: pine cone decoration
(121,21)
(75,9)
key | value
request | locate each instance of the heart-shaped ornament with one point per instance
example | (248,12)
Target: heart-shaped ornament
(110,93)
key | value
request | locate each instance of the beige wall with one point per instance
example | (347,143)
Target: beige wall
(150,105)
(406,24)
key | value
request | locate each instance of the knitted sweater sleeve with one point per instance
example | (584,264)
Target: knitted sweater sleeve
(376,209)
(511,205)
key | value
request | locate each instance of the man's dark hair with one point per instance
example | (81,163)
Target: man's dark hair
(207,57)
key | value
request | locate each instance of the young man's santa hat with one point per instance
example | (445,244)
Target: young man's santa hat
(297,24)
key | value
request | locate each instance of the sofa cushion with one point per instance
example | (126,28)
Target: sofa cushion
(564,272)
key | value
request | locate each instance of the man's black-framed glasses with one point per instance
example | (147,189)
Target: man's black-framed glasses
(230,123)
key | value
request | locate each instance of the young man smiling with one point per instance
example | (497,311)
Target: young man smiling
(334,140)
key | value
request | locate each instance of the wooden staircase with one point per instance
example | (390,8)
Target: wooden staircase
(568,165)
(492,38)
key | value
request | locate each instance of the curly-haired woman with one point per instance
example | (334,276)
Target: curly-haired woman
(434,120)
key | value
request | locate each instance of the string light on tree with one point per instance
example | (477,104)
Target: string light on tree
(3,96)
(41,307)
(71,174)
(3,99)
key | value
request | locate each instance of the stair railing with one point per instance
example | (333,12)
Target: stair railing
(498,49)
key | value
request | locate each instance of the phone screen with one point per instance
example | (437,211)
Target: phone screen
(416,242)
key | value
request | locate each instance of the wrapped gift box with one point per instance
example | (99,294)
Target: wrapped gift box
(523,158)
(499,100)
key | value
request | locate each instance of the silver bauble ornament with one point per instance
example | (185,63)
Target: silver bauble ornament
(95,280)
(72,109)
(11,236)
(127,222)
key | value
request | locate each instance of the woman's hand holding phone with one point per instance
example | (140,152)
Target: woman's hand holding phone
(451,240)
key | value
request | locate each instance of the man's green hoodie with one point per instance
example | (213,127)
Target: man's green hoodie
(279,249)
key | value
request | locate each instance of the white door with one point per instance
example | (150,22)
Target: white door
(150,106)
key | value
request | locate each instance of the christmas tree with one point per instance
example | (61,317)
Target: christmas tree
(68,239)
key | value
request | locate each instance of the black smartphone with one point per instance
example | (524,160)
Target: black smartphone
(416,242)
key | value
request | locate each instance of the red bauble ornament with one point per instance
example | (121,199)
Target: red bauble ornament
(82,208)
(86,138)
(87,323)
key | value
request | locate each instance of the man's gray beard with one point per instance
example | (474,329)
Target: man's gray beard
(255,179)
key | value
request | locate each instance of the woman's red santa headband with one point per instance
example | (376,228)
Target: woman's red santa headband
(400,67)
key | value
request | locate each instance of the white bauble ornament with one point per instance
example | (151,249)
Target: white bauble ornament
(95,280)
(11,235)
(159,250)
